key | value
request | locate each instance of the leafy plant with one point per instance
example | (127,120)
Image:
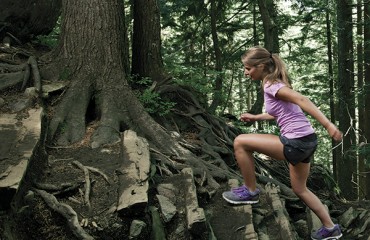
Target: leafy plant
(50,40)
(153,103)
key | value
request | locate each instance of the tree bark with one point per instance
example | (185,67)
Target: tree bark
(331,84)
(146,43)
(271,43)
(346,115)
(366,173)
(91,55)
(360,99)
(218,84)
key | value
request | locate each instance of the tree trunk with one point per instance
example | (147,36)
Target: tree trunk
(271,43)
(91,54)
(271,35)
(366,173)
(347,164)
(146,42)
(218,84)
(360,99)
(331,85)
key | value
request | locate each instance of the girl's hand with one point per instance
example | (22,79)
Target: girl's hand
(247,117)
(334,132)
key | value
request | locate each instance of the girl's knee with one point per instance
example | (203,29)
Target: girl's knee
(241,142)
(299,191)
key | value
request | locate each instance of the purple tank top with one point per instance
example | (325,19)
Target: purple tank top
(290,118)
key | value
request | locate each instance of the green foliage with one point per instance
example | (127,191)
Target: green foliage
(154,104)
(50,40)
(152,101)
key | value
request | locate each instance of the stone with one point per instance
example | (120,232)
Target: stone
(136,228)
(168,209)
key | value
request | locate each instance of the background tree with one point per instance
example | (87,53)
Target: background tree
(346,171)
(360,96)
(271,29)
(365,149)
(215,13)
(146,42)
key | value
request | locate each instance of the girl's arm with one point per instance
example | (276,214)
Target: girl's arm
(248,117)
(289,95)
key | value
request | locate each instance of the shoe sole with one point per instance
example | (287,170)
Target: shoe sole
(240,202)
(329,238)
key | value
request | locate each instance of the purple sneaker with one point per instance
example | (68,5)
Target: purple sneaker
(324,233)
(241,195)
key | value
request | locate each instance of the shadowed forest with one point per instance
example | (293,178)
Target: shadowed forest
(139,104)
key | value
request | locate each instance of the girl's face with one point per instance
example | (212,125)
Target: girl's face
(254,72)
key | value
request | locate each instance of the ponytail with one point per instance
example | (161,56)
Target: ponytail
(274,66)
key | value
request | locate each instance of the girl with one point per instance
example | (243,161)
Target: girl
(296,144)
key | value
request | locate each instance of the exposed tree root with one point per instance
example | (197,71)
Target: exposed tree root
(87,183)
(67,212)
(59,189)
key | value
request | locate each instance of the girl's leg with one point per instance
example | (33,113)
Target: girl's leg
(246,144)
(298,177)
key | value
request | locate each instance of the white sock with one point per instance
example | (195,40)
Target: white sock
(331,227)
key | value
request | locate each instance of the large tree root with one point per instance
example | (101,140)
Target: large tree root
(67,212)
(12,73)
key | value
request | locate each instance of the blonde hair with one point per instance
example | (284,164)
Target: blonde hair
(274,66)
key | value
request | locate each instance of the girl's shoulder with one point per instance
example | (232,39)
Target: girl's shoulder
(271,88)
(275,84)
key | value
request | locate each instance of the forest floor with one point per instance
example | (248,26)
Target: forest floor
(98,219)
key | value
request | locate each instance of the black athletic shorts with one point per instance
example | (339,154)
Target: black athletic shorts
(299,149)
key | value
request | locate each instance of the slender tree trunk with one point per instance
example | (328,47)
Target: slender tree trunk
(347,170)
(267,9)
(331,84)
(218,84)
(268,12)
(366,173)
(146,42)
(360,98)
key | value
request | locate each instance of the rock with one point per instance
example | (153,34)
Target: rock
(168,190)
(246,211)
(136,228)
(17,144)
(280,213)
(196,218)
(134,174)
(168,209)
(21,104)
(348,217)
(46,89)
(313,222)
